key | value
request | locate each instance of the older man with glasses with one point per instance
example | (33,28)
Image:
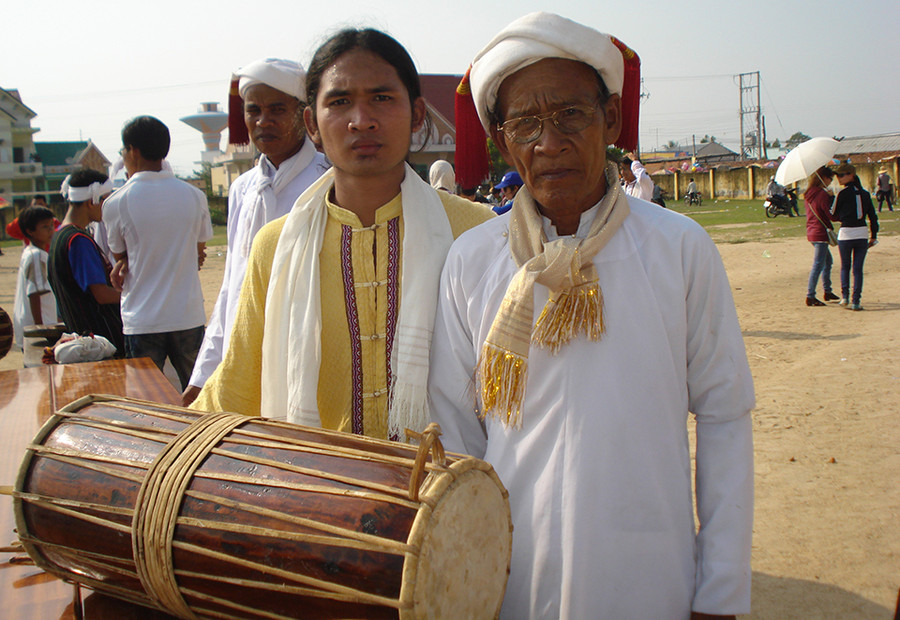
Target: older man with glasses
(574,337)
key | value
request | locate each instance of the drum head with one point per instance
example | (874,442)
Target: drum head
(464,556)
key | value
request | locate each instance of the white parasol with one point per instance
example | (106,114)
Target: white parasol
(805,159)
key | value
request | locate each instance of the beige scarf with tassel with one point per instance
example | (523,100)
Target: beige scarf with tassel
(565,266)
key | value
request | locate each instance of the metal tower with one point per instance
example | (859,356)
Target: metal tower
(752,138)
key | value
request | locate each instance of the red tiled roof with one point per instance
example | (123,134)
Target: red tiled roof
(440,91)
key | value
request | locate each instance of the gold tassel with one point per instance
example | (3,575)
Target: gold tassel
(574,311)
(501,377)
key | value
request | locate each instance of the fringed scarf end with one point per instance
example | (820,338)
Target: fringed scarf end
(408,410)
(578,310)
(501,377)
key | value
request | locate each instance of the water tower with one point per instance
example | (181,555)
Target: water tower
(210,121)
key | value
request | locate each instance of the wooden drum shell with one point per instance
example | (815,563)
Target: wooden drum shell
(277,520)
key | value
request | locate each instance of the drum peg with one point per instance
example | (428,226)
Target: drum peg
(428,442)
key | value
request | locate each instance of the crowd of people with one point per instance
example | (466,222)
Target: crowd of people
(527,320)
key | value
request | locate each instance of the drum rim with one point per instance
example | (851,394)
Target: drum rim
(435,485)
(34,551)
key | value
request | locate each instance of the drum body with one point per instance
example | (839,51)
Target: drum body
(6,333)
(269,520)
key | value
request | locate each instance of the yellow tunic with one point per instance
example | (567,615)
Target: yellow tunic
(357,321)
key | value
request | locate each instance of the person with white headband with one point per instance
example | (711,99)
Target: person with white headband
(573,338)
(267,110)
(334,321)
(157,227)
(79,270)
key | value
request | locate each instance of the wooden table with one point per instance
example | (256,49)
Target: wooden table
(27,399)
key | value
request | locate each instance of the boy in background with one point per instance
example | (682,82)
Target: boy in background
(34,304)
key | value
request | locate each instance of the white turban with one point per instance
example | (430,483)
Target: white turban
(92,192)
(532,38)
(441,176)
(284,75)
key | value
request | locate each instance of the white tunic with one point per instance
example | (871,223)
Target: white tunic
(599,475)
(242,225)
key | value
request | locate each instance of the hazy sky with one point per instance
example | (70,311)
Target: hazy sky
(827,68)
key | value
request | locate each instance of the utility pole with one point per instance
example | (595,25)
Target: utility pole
(751,116)
(645,94)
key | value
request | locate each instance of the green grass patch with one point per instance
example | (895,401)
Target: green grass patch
(739,221)
(726,221)
(220,236)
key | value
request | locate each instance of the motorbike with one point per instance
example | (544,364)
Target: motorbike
(693,198)
(782,204)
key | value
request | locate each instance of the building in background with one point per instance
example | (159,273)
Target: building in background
(61,159)
(20,166)
(439,92)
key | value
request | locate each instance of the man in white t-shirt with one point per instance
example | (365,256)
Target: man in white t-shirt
(157,227)
(273,96)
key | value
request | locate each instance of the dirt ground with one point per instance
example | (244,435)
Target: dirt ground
(827,428)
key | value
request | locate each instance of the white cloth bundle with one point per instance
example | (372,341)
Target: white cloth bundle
(74,348)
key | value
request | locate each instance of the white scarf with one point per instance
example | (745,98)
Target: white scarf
(263,205)
(291,351)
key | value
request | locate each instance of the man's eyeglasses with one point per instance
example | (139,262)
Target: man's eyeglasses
(525,129)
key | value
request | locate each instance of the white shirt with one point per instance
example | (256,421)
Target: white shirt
(32,278)
(642,186)
(242,225)
(159,220)
(599,476)
(98,232)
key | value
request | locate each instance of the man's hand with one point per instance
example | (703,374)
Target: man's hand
(189,395)
(201,255)
(119,271)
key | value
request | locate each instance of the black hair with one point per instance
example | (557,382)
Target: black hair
(85,178)
(148,135)
(30,217)
(370,40)
(382,45)
(495,118)
(39,197)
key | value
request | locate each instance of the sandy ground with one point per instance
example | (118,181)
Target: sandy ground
(826,541)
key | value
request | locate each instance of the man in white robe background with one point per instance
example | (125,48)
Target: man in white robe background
(272,94)
(584,412)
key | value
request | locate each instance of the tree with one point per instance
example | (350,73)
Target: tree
(205,174)
(796,139)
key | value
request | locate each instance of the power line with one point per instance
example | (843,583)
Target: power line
(673,78)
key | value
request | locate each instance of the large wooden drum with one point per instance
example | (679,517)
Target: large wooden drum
(225,516)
